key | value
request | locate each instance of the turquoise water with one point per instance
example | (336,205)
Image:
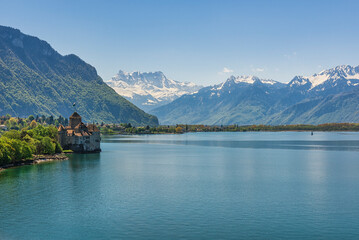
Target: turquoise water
(286,185)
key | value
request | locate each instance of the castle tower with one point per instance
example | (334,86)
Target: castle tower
(62,135)
(75,119)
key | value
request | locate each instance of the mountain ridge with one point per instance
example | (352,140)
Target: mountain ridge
(251,100)
(149,89)
(36,79)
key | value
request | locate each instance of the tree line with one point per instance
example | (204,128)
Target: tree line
(183,128)
(16,123)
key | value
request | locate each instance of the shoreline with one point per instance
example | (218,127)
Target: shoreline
(165,133)
(37,159)
(111,129)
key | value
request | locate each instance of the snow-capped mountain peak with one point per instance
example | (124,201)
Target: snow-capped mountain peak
(333,76)
(298,81)
(252,79)
(246,81)
(149,89)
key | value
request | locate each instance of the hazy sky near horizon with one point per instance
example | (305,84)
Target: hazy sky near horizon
(199,41)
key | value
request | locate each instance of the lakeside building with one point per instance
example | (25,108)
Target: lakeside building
(79,137)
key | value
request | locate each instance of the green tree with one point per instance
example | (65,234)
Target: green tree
(5,152)
(58,148)
(26,151)
(31,118)
(179,129)
(48,147)
(33,124)
(12,134)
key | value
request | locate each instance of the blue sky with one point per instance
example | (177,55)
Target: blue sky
(198,41)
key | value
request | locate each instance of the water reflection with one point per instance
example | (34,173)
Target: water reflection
(29,170)
(79,162)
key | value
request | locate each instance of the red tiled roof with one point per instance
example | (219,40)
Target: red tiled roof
(93,128)
(61,128)
(78,125)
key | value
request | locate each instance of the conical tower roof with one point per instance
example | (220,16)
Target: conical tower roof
(75,115)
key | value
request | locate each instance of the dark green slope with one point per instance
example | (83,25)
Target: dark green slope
(35,79)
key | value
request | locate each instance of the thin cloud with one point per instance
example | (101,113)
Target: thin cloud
(258,70)
(291,55)
(226,71)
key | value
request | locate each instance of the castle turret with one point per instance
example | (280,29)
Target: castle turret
(62,135)
(75,119)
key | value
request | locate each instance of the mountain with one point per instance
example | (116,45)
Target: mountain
(149,90)
(329,96)
(240,100)
(335,108)
(336,80)
(35,79)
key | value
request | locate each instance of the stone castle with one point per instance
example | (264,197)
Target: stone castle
(79,137)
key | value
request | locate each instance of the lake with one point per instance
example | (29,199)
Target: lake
(253,185)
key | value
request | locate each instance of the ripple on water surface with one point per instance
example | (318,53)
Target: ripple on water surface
(208,185)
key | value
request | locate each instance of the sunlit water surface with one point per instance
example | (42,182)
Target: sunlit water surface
(286,185)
